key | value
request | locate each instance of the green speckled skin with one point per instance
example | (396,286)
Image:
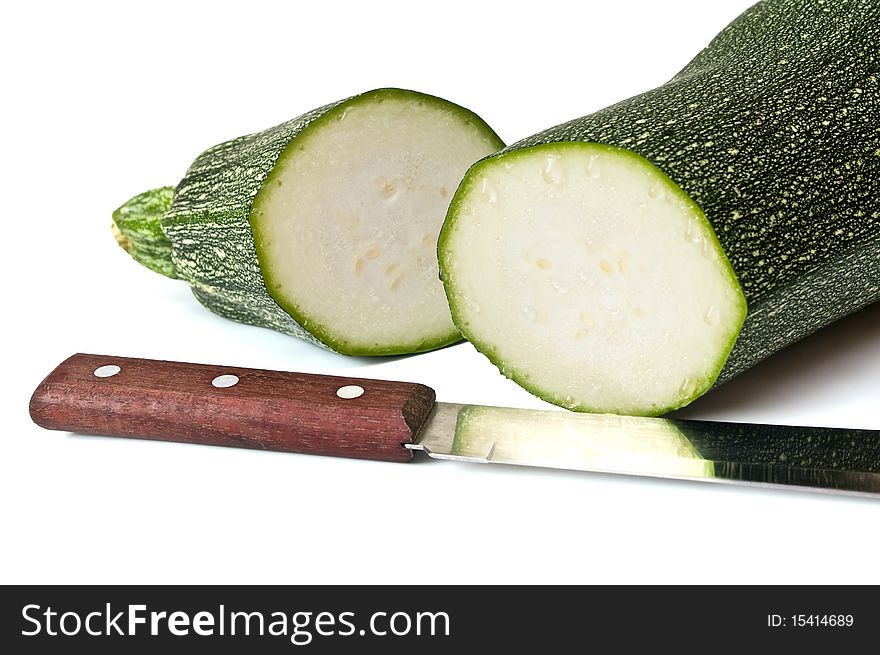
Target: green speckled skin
(208,225)
(774,131)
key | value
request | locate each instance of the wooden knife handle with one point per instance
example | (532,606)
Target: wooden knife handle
(228,406)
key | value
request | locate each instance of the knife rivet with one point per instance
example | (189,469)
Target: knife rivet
(223,381)
(350,391)
(107,371)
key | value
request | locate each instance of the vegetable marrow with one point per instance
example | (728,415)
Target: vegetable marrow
(629,260)
(324,227)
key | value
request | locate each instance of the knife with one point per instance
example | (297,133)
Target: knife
(382,420)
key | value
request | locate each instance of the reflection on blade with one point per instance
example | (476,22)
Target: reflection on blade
(600,443)
(823,458)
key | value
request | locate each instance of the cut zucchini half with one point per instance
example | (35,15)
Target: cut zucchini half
(590,278)
(771,131)
(324,227)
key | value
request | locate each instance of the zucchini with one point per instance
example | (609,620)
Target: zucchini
(629,260)
(324,227)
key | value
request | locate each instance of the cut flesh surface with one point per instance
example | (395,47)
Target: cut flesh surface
(346,224)
(590,278)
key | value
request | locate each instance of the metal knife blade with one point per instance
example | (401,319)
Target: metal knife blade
(826,459)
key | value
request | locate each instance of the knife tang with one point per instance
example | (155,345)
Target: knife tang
(229,406)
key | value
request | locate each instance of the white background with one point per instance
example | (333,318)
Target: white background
(103,101)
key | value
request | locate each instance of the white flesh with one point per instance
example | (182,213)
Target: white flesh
(350,224)
(591,279)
